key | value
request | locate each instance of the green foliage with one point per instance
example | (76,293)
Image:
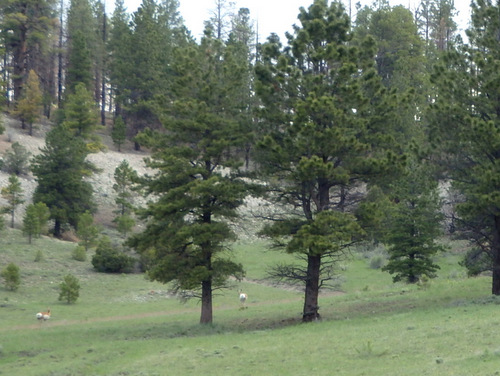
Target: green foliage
(69,289)
(82,45)
(119,132)
(31,225)
(87,231)
(29,107)
(79,253)
(35,220)
(11,276)
(124,180)
(124,224)
(16,160)
(197,186)
(108,259)
(476,261)
(13,194)
(336,138)
(60,169)
(38,256)
(414,226)
(81,118)
(466,131)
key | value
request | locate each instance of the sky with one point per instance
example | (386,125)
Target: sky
(276,16)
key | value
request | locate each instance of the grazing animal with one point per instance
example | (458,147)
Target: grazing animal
(243,299)
(43,315)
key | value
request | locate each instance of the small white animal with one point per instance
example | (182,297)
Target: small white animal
(243,299)
(43,315)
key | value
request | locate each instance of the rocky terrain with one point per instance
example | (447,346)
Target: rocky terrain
(103,182)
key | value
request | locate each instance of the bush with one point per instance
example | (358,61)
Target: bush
(38,256)
(12,276)
(16,160)
(79,253)
(70,289)
(109,260)
(377,261)
(476,261)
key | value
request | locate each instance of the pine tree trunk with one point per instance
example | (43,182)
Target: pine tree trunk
(495,287)
(311,307)
(206,302)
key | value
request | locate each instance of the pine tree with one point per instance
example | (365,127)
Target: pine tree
(466,131)
(119,48)
(60,169)
(81,118)
(70,289)
(196,185)
(31,226)
(414,225)
(119,132)
(29,107)
(82,45)
(87,231)
(13,194)
(327,131)
(27,28)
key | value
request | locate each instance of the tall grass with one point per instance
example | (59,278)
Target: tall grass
(127,325)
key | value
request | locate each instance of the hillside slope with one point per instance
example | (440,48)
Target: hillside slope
(102,182)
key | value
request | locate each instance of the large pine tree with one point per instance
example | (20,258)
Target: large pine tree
(328,132)
(196,187)
(466,130)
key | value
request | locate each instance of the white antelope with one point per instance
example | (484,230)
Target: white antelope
(43,315)
(243,299)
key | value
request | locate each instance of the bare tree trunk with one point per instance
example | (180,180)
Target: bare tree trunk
(206,302)
(311,307)
(60,58)
(495,286)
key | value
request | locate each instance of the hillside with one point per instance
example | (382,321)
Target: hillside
(102,182)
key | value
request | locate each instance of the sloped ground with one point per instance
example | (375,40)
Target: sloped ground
(103,182)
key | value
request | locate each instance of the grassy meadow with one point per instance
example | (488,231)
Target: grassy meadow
(127,325)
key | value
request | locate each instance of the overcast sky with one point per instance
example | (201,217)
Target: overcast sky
(276,16)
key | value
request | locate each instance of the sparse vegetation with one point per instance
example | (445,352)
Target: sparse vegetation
(69,289)
(79,253)
(11,276)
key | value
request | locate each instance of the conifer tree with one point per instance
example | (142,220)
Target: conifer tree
(27,28)
(82,45)
(119,132)
(414,225)
(465,119)
(60,170)
(327,131)
(197,186)
(13,193)
(29,107)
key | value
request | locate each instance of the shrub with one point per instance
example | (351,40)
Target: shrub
(12,276)
(38,256)
(110,260)
(79,253)
(377,261)
(16,160)
(476,261)
(70,289)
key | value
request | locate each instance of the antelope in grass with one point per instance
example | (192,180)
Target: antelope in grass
(43,315)
(243,299)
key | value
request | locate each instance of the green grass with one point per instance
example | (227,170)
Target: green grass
(126,325)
